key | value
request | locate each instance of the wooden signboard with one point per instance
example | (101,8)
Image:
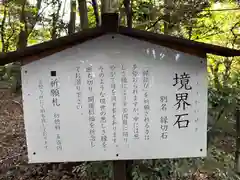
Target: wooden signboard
(115,98)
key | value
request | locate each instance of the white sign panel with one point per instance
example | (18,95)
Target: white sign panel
(115,98)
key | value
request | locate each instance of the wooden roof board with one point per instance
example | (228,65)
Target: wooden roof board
(178,43)
(109,26)
(50,46)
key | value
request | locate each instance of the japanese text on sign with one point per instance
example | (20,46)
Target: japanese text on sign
(115,104)
(182,120)
(55,94)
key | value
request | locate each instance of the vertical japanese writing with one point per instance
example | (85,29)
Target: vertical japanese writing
(135,102)
(103,108)
(124,83)
(181,97)
(164,127)
(78,83)
(55,94)
(163,118)
(91,107)
(146,103)
(42,114)
(89,78)
(113,101)
(163,103)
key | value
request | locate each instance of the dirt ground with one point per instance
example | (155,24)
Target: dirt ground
(13,149)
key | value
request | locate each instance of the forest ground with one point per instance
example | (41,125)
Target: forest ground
(13,150)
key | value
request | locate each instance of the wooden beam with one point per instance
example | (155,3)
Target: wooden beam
(110,22)
(120,170)
(184,45)
(110,25)
(51,45)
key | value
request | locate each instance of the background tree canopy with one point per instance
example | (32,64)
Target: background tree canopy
(28,22)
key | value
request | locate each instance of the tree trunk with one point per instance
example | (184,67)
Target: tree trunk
(55,19)
(3,28)
(54,27)
(95,8)
(36,18)
(71,25)
(167,16)
(82,7)
(23,35)
(128,10)
(105,6)
(27,26)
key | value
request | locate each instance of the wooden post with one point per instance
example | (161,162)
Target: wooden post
(122,169)
(119,170)
(110,23)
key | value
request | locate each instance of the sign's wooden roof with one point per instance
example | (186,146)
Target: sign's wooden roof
(110,25)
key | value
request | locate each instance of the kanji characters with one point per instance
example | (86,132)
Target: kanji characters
(182,99)
(183,80)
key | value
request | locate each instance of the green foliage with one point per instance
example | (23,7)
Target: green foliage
(94,170)
(10,77)
(218,27)
(91,17)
